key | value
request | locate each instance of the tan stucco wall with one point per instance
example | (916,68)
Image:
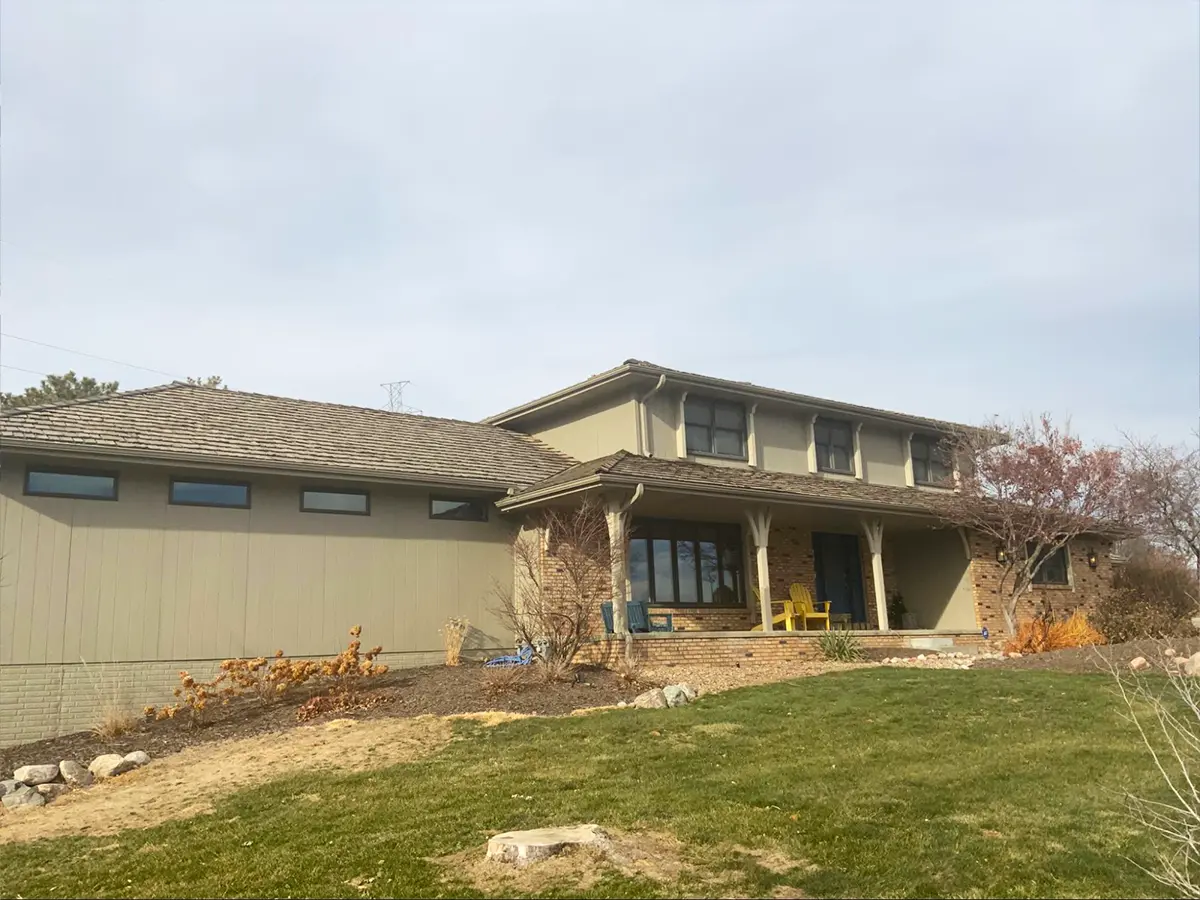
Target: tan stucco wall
(782,441)
(606,427)
(883,455)
(139,580)
(932,572)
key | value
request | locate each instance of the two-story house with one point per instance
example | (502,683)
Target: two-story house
(151,531)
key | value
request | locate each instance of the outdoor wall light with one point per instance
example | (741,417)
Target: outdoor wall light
(1093,559)
(1001,555)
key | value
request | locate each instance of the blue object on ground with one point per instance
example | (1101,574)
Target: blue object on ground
(523,657)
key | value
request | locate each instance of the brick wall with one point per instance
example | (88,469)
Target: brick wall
(745,649)
(41,701)
(1087,586)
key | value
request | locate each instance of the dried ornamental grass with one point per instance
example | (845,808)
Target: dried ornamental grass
(454,634)
(1041,635)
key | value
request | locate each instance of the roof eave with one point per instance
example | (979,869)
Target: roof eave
(197,461)
(690,380)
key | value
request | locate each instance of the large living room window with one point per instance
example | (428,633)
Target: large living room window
(715,427)
(675,563)
(835,446)
(929,461)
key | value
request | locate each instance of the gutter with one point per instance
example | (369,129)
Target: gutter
(645,445)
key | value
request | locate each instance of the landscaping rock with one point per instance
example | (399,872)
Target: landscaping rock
(22,798)
(523,847)
(677,695)
(1192,666)
(652,699)
(32,775)
(1138,664)
(1170,651)
(110,765)
(8,786)
(75,774)
(51,791)
(138,757)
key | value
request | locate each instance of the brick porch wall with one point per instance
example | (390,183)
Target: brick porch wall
(1088,586)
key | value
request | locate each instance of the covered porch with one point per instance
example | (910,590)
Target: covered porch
(708,558)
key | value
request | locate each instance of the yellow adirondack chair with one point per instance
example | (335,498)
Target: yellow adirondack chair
(787,618)
(806,607)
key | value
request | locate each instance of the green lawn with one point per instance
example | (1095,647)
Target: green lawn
(885,782)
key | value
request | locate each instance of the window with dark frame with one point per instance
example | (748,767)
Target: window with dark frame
(78,484)
(196,492)
(835,446)
(929,460)
(715,427)
(338,502)
(674,563)
(458,509)
(1054,568)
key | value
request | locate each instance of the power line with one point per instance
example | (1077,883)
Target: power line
(19,369)
(106,359)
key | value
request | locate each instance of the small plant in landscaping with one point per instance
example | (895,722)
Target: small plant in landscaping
(1045,633)
(501,680)
(628,668)
(454,634)
(114,722)
(840,646)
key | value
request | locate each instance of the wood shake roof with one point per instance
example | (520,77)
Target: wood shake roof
(233,427)
(624,467)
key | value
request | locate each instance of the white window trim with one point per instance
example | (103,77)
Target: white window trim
(812,444)
(909,476)
(858,460)
(681,428)
(751,437)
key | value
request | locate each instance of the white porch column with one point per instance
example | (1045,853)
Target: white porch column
(760,529)
(874,532)
(616,514)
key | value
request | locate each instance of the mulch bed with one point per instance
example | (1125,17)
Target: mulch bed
(1093,660)
(436,690)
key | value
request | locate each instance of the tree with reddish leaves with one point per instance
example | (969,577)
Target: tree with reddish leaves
(1032,488)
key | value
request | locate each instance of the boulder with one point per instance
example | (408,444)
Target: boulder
(8,785)
(51,791)
(1192,665)
(33,775)
(1170,651)
(109,765)
(23,797)
(1138,664)
(679,694)
(75,774)
(523,847)
(652,699)
(138,757)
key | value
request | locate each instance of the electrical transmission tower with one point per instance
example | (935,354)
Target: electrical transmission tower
(395,400)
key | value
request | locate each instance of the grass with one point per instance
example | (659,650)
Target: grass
(886,782)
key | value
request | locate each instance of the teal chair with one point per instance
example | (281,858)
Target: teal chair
(641,620)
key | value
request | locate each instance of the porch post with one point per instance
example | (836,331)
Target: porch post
(760,528)
(616,514)
(874,532)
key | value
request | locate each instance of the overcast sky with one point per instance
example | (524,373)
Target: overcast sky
(955,209)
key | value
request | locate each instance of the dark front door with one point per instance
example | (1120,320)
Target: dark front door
(839,574)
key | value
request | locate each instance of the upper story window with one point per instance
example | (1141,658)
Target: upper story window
(715,427)
(233,494)
(76,483)
(458,508)
(835,446)
(350,503)
(1055,568)
(929,461)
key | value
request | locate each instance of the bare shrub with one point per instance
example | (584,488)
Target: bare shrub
(561,574)
(1154,595)
(454,634)
(499,681)
(1166,713)
(628,668)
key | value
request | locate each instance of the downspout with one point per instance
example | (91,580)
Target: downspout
(644,442)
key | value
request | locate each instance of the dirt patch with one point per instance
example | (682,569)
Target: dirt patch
(655,856)
(186,783)
(774,861)
(433,690)
(1094,660)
